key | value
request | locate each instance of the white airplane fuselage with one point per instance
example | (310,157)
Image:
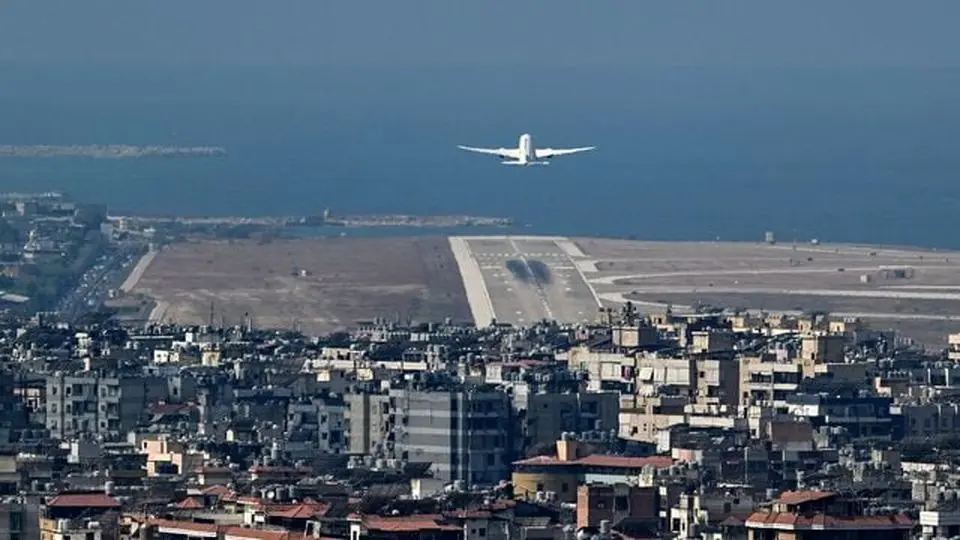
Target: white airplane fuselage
(528,154)
(525,153)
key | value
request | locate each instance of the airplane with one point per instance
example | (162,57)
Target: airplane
(525,154)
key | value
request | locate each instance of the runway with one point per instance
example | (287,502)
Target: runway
(523,279)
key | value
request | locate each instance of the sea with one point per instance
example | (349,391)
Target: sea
(685,153)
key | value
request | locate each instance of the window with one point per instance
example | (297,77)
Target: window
(564,487)
(481,532)
(621,504)
(16,521)
(539,487)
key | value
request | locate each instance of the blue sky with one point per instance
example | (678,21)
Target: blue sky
(750,33)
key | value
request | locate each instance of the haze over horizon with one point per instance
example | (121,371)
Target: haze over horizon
(833,120)
(823,34)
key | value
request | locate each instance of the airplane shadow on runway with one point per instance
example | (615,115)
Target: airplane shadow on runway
(530,272)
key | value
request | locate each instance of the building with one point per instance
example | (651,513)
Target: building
(860,415)
(813,515)
(87,515)
(941,522)
(548,415)
(19,519)
(597,503)
(93,405)
(463,433)
(366,422)
(768,379)
(557,476)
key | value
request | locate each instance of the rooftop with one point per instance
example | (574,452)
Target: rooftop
(599,460)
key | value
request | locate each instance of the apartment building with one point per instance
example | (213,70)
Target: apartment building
(366,422)
(546,416)
(768,379)
(465,433)
(91,404)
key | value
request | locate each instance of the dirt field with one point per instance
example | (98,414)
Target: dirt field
(350,279)
(347,279)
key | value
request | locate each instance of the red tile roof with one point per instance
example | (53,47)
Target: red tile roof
(801,497)
(190,503)
(299,511)
(784,520)
(600,460)
(83,500)
(228,532)
(425,522)
(189,526)
(217,490)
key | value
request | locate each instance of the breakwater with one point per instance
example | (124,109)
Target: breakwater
(109,151)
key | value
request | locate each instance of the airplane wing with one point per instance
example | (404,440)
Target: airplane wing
(544,153)
(506,153)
